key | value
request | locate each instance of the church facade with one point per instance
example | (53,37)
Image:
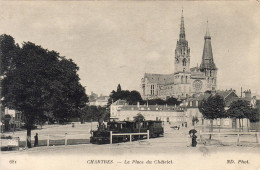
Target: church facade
(185,81)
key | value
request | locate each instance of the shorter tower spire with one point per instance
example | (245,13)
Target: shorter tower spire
(207,56)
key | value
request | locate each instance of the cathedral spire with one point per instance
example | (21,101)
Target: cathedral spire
(207,57)
(207,35)
(182,29)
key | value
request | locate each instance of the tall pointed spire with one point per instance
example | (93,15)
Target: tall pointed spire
(207,57)
(182,29)
(207,35)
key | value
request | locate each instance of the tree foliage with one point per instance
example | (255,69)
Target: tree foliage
(254,115)
(119,88)
(94,113)
(134,97)
(213,107)
(139,118)
(239,109)
(40,83)
(194,120)
(131,97)
(170,101)
(8,53)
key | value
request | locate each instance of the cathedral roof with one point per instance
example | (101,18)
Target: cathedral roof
(207,56)
(196,73)
(160,79)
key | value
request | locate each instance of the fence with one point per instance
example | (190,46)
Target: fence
(127,134)
(7,143)
(54,140)
(256,134)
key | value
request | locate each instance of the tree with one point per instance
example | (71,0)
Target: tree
(254,115)
(155,102)
(133,97)
(139,118)
(172,101)
(240,109)
(69,92)
(120,94)
(94,113)
(212,108)
(40,83)
(194,120)
(118,88)
(8,53)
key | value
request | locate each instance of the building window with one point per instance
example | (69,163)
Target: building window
(184,62)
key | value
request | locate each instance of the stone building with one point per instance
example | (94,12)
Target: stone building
(229,96)
(95,100)
(121,111)
(185,81)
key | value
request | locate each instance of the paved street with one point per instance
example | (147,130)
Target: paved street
(173,141)
(172,148)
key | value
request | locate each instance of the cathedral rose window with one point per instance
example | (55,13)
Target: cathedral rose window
(197,85)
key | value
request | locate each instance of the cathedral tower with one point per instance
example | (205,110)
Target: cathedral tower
(207,65)
(182,65)
(182,51)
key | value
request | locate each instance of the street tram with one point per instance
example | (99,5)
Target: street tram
(102,134)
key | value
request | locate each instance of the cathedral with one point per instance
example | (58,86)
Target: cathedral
(185,81)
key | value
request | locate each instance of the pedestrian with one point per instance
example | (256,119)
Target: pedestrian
(193,140)
(36,140)
(179,127)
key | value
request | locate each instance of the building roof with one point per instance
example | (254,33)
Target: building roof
(120,102)
(225,93)
(228,95)
(160,79)
(152,108)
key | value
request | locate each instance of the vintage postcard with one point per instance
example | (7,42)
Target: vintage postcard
(130,84)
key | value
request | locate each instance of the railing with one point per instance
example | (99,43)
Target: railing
(57,139)
(257,134)
(8,143)
(127,134)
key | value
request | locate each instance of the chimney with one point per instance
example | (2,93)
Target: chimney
(248,95)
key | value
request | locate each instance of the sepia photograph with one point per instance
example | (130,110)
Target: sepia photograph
(130,84)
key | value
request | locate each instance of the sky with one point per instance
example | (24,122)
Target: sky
(116,42)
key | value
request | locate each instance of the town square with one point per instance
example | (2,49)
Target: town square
(126,85)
